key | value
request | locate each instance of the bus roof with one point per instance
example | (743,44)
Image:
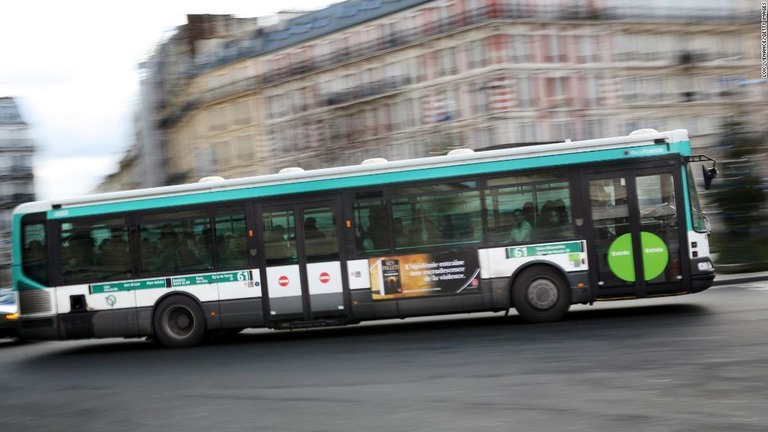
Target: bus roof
(376,168)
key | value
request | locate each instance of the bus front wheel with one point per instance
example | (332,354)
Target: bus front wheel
(178,322)
(540,294)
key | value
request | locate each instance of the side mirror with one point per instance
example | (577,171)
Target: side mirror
(709,175)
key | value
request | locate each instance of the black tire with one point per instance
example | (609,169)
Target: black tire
(540,294)
(178,323)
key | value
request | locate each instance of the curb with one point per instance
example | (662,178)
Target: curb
(728,279)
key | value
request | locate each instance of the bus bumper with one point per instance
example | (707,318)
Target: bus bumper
(702,274)
(38,328)
(87,325)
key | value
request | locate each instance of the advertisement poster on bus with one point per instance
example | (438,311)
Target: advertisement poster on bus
(420,275)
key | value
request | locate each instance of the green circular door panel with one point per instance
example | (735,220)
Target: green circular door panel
(620,258)
(655,255)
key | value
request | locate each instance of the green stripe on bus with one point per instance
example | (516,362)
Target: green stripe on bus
(212,278)
(204,279)
(111,287)
(544,249)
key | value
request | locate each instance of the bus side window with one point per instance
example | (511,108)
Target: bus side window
(113,259)
(539,201)
(511,214)
(34,256)
(77,256)
(175,242)
(554,222)
(232,232)
(373,226)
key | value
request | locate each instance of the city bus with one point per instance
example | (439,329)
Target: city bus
(531,228)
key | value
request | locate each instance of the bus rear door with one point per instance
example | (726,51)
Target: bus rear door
(636,228)
(303,269)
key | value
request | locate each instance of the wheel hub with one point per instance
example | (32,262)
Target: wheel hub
(542,294)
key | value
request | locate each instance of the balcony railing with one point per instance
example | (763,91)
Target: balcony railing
(16,144)
(368,90)
(17,171)
(490,13)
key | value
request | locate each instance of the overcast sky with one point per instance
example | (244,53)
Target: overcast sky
(72,68)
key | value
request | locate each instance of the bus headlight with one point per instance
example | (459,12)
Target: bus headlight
(705,266)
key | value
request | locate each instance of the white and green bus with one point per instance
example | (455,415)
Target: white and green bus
(534,228)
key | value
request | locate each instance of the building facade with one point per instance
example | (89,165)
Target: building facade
(410,78)
(16,176)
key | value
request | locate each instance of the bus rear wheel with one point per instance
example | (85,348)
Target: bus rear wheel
(178,322)
(540,294)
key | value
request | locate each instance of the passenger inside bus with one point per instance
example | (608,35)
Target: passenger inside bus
(554,222)
(310,229)
(78,256)
(234,251)
(519,228)
(166,246)
(378,228)
(278,249)
(113,259)
(529,213)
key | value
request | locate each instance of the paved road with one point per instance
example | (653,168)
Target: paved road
(691,363)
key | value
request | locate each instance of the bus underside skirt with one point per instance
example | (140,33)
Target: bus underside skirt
(578,282)
(242,313)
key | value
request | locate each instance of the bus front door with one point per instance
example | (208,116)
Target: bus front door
(636,232)
(303,269)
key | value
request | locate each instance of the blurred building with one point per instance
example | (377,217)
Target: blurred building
(163,87)
(16,177)
(410,78)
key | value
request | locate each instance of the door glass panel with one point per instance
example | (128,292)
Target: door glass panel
(320,234)
(279,237)
(610,215)
(658,219)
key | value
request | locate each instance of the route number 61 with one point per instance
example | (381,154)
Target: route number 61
(519,252)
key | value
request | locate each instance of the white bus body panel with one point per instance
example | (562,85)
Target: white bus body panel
(570,256)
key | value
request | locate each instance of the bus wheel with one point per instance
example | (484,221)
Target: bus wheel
(541,295)
(178,322)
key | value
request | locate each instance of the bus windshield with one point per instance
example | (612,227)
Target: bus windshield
(700,221)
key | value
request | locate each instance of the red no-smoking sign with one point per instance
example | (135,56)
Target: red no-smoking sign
(283,281)
(325,277)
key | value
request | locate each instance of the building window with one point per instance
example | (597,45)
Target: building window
(588,49)
(525,91)
(476,55)
(242,113)
(557,92)
(205,162)
(555,49)
(245,151)
(446,61)
(223,154)
(521,49)
(217,119)
(497,48)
